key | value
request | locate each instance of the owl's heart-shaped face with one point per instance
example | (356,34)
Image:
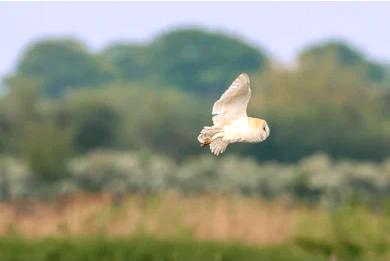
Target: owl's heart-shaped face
(260,127)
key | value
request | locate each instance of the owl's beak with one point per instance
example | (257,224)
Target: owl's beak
(266,132)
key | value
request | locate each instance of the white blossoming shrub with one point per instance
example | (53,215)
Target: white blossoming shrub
(121,172)
(15,178)
(316,179)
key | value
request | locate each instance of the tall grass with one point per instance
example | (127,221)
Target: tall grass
(169,214)
(349,232)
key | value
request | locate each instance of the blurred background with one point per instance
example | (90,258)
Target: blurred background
(101,104)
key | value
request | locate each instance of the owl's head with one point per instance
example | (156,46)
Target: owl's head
(261,128)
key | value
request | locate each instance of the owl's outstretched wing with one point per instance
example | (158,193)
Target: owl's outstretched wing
(233,103)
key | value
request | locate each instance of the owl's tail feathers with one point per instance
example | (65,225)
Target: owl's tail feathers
(218,146)
(206,135)
(213,136)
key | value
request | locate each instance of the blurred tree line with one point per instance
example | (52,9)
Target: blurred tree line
(64,100)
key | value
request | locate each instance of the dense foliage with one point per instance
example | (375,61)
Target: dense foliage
(63,101)
(158,95)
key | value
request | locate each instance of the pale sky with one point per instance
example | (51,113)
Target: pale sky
(280,28)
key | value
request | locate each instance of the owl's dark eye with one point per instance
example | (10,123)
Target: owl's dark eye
(264,129)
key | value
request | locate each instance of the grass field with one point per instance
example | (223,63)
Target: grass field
(144,249)
(175,227)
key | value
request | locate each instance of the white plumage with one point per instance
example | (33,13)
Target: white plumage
(231,123)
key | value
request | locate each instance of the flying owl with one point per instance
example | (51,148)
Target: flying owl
(231,123)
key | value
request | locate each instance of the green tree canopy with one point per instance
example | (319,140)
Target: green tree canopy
(200,61)
(326,103)
(62,64)
(131,62)
(341,56)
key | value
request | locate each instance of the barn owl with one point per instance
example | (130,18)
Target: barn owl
(230,121)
